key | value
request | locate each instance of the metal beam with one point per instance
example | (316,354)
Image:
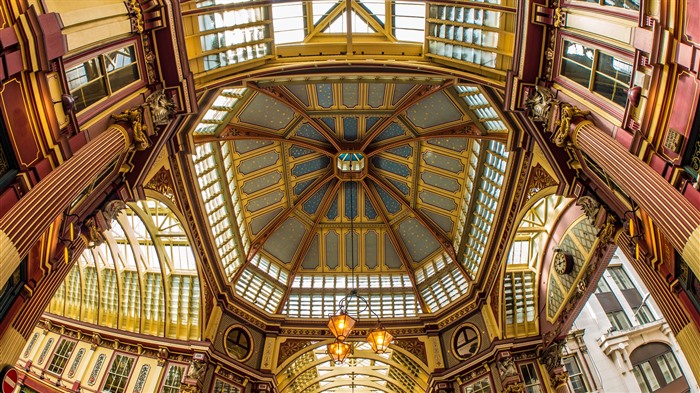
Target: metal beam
(306,242)
(283,97)
(418,95)
(237,132)
(397,245)
(464,130)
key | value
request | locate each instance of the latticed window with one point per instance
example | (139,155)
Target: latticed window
(102,76)
(173,378)
(576,377)
(221,386)
(60,356)
(597,71)
(480,386)
(620,277)
(531,379)
(118,374)
(602,286)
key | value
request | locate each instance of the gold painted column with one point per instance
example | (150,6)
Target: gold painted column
(673,214)
(31,216)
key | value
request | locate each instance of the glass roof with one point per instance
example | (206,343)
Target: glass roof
(268,152)
(477,35)
(141,279)
(280,211)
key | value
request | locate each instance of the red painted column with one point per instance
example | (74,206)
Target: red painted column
(673,214)
(29,218)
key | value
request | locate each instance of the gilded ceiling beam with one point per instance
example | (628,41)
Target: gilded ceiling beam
(306,242)
(420,94)
(259,241)
(462,130)
(281,96)
(397,245)
(238,132)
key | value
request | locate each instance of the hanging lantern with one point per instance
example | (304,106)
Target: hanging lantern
(339,351)
(341,325)
(379,339)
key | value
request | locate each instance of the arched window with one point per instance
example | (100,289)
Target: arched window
(656,369)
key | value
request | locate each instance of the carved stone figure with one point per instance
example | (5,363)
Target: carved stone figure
(539,103)
(197,370)
(162,107)
(112,208)
(590,206)
(507,368)
(551,358)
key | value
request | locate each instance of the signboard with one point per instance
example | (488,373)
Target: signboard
(9,380)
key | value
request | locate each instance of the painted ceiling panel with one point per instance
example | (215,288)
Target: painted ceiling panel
(300,92)
(419,242)
(247,146)
(435,110)
(256,163)
(284,242)
(259,222)
(266,112)
(261,182)
(350,95)
(287,194)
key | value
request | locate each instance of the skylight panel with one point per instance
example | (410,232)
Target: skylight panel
(288,22)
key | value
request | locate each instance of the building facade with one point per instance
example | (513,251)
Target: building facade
(189,189)
(621,343)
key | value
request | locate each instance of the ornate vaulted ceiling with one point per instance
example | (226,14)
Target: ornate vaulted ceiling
(273,167)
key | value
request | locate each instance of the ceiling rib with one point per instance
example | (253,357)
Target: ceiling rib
(463,130)
(445,243)
(397,245)
(259,241)
(420,94)
(306,242)
(238,133)
(284,98)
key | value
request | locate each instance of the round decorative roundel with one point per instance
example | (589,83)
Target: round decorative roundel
(465,341)
(238,343)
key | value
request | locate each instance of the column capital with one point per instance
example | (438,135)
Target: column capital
(561,129)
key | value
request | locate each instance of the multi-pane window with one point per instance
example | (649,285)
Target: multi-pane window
(619,320)
(576,377)
(118,374)
(644,314)
(234,36)
(464,33)
(221,386)
(102,76)
(626,4)
(646,378)
(597,71)
(480,386)
(173,378)
(655,367)
(60,356)
(669,367)
(602,286)
(620,277)
(531,379)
